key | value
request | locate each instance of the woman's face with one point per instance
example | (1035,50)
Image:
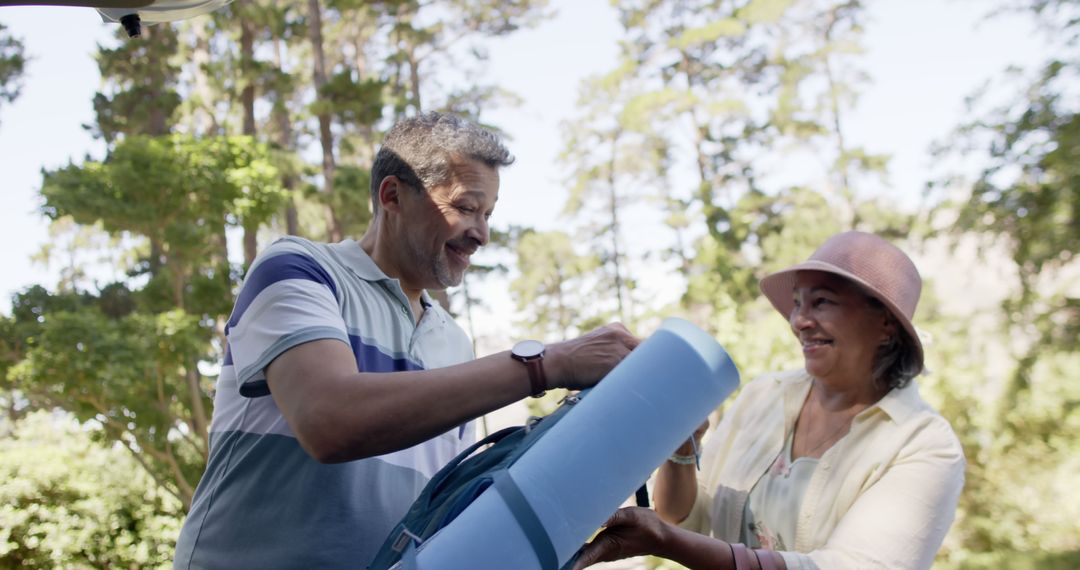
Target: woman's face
(839,330)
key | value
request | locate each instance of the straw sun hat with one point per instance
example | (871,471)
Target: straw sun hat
(877,266)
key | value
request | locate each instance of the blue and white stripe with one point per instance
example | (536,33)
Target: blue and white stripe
(263,502)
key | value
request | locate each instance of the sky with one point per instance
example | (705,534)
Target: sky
(923,58)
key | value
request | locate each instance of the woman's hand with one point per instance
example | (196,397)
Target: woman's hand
(631,531)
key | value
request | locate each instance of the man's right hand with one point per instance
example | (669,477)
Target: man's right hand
(583,361)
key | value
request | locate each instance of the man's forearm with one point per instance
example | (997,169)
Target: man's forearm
(340,415)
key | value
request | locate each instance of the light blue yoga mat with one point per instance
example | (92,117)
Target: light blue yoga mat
(589,463)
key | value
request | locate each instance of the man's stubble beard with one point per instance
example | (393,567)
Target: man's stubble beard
(438,265)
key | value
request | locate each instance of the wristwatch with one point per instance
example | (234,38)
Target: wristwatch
(531,354)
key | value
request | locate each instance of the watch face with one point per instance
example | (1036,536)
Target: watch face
(528,349)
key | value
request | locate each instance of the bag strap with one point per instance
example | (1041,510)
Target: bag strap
(437,481)
(528,521)
(641,496)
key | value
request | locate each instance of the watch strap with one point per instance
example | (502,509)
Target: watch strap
(537,378)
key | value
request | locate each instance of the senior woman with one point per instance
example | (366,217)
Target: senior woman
(839,465)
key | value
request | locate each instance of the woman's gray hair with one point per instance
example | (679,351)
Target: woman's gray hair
(896,362)
(421,151)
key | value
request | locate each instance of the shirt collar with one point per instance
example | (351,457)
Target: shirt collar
(898,403)
(360,262)
(365,268)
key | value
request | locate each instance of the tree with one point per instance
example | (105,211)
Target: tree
(12,66)
(604,155)
(556,292)
(122,370)
(134,367)
(553,285)
(68,501)
(705,100)
(320,76)
(1023,198)
(135,356)
(140,96)
(174,192)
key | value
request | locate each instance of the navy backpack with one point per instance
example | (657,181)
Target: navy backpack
(465,478)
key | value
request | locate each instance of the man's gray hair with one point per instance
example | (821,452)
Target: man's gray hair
(421,151)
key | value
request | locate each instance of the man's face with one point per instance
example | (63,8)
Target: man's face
(446,225)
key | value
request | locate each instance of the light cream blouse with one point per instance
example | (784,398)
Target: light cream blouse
(882,497)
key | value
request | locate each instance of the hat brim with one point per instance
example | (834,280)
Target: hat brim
(778,288)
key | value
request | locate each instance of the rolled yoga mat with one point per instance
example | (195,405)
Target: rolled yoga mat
(560,492)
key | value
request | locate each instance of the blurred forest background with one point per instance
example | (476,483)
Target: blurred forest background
(229,130)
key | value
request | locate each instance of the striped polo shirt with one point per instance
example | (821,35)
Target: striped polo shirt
(263,502)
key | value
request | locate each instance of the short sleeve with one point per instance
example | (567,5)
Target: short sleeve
(287,299)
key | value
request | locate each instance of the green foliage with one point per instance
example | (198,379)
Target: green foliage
(498,18)
(142,95)
(12,65)
(703,107)
(126,371)
(352,200)
(725,27)
(179,192)
(353,102)
(1025,199)
(68,502)
(1030,189)
(166,187)
(553,284)
(1021,453)
(784,229)
(1019,561)
(717,87)
(761,11)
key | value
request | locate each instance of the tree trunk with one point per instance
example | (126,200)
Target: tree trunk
(845,196)
(468,310)
(247,100)
(613,204)
(157,124)
(292,217)
(199,417)
(285,139)
(560,303)
(251,246)
(203,120)
(414,79)
(326,138)
(155,257)
(247,70)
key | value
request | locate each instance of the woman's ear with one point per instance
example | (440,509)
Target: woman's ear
(889,328)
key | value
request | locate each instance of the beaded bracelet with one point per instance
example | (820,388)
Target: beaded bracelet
(683,459)
(694,459)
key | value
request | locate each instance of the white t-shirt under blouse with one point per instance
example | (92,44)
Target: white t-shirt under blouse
(768,522)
